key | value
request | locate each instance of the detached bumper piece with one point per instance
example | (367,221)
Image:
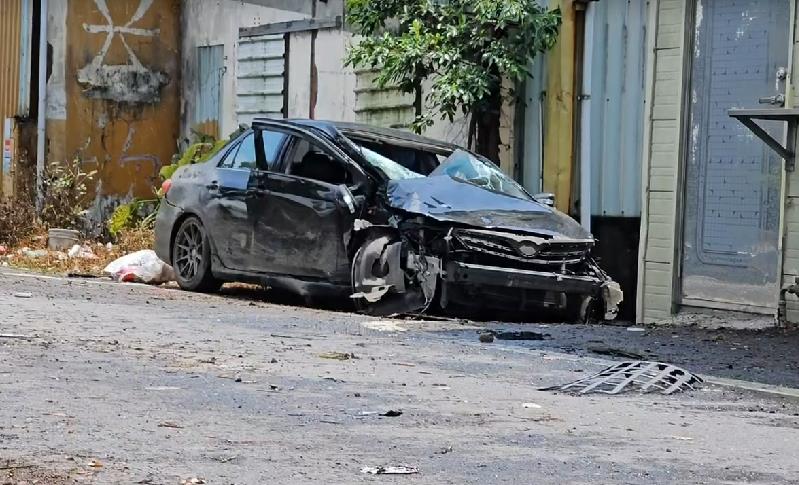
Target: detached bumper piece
(635,376)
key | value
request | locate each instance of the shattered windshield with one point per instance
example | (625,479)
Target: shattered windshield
(465,167)
(392,169)
(461,166)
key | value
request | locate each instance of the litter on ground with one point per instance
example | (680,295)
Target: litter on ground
(141,267)
(639,376)
(389,470)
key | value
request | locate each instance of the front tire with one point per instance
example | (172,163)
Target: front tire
(191,258)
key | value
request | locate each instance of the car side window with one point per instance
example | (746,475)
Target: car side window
(242,157)
(246,157)
(273,141)
(310,161)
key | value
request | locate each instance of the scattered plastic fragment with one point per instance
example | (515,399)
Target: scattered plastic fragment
(337,356)
(389,470)
(81,252)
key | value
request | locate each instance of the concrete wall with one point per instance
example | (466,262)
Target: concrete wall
(661,161)
(790,262)
(217,22)
(113,100)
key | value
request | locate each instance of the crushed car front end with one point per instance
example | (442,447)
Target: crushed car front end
(521,272)
(465,236)
(513,272)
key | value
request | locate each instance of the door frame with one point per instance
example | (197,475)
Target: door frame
(689,45)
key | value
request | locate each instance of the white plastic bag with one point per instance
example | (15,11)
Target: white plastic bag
(141,267)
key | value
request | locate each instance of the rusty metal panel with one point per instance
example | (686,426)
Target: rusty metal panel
(387,107)
(210,70)
(261,67)
(10,40)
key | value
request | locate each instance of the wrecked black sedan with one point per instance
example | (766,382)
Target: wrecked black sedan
(393,221)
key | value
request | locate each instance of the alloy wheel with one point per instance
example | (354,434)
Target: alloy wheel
(189,252)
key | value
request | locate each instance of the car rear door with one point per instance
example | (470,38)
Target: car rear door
(309,210)
(227,215)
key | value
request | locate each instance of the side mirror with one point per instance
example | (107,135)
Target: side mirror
(346,198)
(546,199)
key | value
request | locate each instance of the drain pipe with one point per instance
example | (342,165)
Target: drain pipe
(585,118)
(782,309)
(42,109)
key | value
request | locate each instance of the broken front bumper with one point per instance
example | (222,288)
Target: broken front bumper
(602,289)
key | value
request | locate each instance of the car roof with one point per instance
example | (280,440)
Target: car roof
(334,128)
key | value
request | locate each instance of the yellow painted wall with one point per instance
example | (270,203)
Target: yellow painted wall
(10,36)
(122,92)
(559,112)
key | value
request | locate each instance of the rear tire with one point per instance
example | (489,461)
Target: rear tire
(191,258)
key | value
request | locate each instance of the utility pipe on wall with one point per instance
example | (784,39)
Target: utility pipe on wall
(42,110)
(585,118)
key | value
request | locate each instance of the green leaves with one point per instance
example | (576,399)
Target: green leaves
(465,48)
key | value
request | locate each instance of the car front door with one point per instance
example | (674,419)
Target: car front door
(310,208)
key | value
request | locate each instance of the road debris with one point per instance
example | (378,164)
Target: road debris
(169,424)
(94,464)
(193,481)
(15,336)
(614,352)
(389,470)
(530,405)
(641,376)
(486,337)
(23,295)
(384,326)
(636,329)
(337,356)
(519,335)
(392,414)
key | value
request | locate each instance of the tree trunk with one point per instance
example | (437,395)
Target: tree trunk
(486,123)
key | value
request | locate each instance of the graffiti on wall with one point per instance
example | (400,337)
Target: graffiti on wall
(132,82)
(121,65)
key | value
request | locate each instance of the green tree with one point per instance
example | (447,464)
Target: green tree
(466,49)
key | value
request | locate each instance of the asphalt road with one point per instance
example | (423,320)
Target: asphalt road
(106,383)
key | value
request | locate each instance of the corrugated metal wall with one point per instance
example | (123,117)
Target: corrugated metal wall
(10,41)
(260,78)
(617,96)
(387,107)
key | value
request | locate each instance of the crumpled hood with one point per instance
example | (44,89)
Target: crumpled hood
(447,200)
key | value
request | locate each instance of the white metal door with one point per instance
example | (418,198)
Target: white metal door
(733,180)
